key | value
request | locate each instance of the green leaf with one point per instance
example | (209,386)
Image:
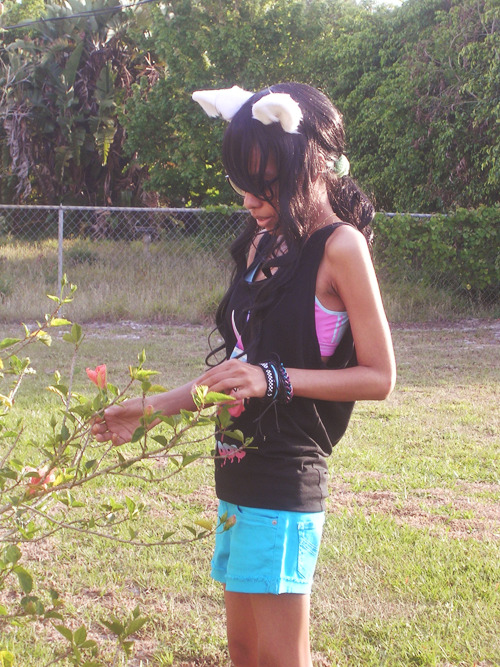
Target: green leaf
(59,322)
(131,506)
(7,342)
(189,458)
(169,420)
(236,435)
(217,397)
(64,435)
(60,389)
(80,635)
(134,626)
(53,614)
(65,632)
(6,400)
(25,578)
(76,332)
(161,440)
(6,659)
(44,338)
(138,434)
(75,336)
(127,647)
(167,536)
(156,389)
(11,554)
(142,375)
(33,605)
(114,626)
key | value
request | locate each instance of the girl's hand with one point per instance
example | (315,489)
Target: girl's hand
(119,422)
(236,378)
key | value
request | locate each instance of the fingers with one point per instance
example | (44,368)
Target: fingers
(102,433)
(236,378)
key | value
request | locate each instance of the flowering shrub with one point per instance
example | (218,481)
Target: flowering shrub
(40,490)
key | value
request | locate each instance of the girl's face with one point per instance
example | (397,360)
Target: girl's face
(263,208)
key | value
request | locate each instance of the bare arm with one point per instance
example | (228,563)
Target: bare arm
(351,272)
(121,420)
(353,278)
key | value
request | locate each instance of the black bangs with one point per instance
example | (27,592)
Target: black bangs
(246,149)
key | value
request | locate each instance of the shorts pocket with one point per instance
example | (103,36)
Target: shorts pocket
(253,547)
(309,536)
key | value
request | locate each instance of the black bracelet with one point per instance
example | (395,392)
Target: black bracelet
(279,388)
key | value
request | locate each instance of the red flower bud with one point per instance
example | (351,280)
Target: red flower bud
(98,376)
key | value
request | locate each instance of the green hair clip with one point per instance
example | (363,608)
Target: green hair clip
(340,166)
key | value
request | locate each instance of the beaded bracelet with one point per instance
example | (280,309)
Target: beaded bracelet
(285,393)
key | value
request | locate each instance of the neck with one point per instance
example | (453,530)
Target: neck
(323,211)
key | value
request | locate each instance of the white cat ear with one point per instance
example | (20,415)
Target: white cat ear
(225,102)
(278,108)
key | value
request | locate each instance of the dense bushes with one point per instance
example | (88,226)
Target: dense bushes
(459,251)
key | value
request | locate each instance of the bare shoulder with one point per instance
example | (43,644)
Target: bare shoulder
(346,244)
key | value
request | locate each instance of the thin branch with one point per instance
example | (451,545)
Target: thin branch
(136,543)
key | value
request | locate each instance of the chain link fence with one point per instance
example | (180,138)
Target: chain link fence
(147,263)
(127,262)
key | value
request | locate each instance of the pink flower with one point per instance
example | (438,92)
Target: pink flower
(98,376)
(40,480)
(236,408)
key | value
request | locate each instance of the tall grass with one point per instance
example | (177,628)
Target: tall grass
(179,280)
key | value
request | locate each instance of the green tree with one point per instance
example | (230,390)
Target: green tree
(421,108)
(217,43)
(62,88)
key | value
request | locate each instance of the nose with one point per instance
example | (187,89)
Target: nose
(251,201)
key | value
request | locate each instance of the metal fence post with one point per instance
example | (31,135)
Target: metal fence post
(60,227)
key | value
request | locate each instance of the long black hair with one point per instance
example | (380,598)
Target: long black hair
(300,158)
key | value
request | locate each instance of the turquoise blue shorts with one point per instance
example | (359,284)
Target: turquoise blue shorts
(267,551)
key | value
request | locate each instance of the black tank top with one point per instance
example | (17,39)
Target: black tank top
(285,466)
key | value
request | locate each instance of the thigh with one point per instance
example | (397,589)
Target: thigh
(241,629)
(282,623)
(267,630)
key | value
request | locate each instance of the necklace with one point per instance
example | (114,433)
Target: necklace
(328,217)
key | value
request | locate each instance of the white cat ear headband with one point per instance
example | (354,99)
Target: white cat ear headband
(272,108)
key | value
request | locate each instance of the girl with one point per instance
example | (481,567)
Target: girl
(305,335)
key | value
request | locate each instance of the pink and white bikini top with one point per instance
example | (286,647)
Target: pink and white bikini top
(330,327)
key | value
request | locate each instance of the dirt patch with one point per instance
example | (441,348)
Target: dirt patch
(454,512)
